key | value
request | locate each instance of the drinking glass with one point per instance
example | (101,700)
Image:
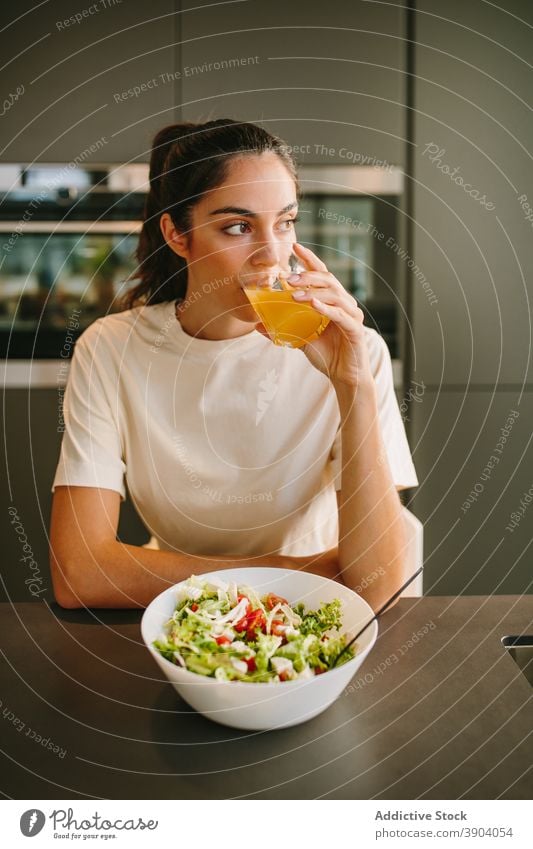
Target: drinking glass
(287,322)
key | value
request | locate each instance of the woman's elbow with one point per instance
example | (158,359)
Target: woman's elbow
(68,601)
(66,594)
(65,597)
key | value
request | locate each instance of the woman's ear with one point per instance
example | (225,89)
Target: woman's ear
(177,241)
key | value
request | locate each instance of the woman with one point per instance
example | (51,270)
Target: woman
(230,446)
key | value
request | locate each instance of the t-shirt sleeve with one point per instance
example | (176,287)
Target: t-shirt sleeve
(91,451)
(390,420)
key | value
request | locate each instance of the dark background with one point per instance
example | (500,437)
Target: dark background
(383,79)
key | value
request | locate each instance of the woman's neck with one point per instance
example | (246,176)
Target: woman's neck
(198,320)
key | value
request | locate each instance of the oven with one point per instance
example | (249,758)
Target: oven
(68,237)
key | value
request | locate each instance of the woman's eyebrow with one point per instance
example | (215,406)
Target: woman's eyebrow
(238,210)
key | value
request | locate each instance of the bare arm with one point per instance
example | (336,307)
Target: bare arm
(372,539)
(371,525)
(91,568)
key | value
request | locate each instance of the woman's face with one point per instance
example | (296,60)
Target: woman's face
(245,224)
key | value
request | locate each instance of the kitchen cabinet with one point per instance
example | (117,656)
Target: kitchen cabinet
(473,242)
(97,79)
(470,315)
(328,78)
(32,442)
(474,456)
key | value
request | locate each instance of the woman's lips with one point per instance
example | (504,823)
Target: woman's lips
(262,278)
(257,278)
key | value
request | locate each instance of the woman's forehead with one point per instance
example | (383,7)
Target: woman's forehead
(258,183)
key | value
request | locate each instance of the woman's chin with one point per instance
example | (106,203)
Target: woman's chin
(245,312)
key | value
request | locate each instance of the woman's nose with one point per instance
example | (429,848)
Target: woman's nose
(267,255)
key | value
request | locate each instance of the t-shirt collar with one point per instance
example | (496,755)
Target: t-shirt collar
(206,348)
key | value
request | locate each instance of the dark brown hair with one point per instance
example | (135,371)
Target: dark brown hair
(188,160)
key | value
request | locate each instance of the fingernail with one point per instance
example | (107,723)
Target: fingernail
(293,278)
(299,294)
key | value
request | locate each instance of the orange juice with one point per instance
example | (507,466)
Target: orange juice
(287,321)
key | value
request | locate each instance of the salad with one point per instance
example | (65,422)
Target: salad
(228,632)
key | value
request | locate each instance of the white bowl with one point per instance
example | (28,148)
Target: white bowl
(274,704)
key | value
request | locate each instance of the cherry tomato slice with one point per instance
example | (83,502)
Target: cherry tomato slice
(251,664)
(223,640)
(256,621)
(272,599)
(248,606)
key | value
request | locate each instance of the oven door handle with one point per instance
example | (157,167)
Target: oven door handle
(83,228)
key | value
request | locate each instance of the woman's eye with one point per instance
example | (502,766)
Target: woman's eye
(243,227)
(288,223)
(236,229)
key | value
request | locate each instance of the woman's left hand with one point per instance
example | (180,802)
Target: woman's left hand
(340,352)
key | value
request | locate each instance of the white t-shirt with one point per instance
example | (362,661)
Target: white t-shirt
(226,447)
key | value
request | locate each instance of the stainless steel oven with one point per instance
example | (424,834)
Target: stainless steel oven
(67,245)
(350,216)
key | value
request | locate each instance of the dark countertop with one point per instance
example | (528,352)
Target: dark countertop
(446,717)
